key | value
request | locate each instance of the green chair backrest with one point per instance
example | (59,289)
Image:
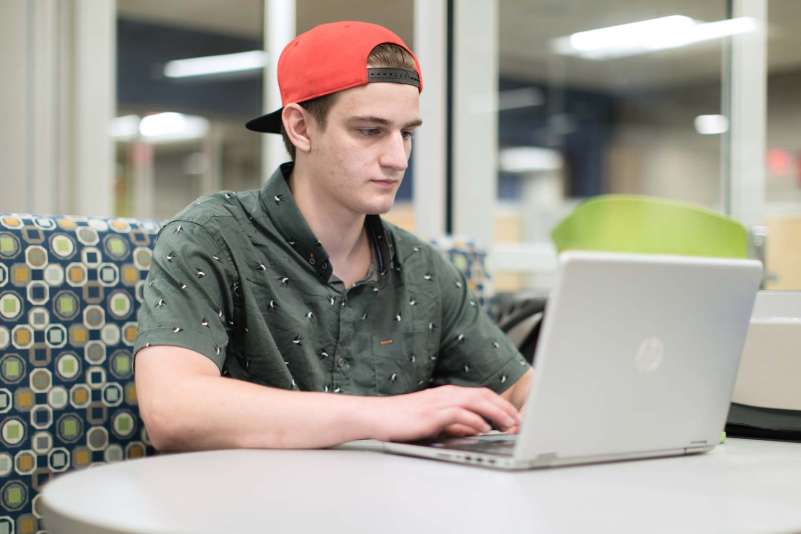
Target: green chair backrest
(640,224)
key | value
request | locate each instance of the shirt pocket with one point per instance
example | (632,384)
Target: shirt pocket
(404,362)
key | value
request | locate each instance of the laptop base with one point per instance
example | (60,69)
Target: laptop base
(509,462)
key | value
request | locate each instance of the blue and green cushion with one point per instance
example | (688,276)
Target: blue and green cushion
(471,260)
(70,288)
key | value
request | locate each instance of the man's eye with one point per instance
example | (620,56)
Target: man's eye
(408,135)
(369,132)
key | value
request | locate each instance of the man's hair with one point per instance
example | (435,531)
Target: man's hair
(385,55)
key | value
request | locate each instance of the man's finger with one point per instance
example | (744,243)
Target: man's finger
(506,406)
(492,412)
(464,417)
(458,430)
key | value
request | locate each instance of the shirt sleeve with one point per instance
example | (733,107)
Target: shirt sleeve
(473,350)
(188,296)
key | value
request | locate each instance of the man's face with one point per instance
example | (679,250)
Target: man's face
(359,159)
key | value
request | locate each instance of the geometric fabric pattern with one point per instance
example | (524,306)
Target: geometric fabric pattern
(70,289)
(471,261)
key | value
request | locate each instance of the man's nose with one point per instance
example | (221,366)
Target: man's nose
(394,153)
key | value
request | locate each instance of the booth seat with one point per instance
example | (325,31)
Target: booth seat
(70,289)
(471,260)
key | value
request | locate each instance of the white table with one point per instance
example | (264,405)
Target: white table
(742,486)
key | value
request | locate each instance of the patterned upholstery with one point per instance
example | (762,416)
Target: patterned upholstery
(70,289)
(471,260)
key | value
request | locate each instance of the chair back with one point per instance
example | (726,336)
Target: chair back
(471,261)
(640,224)
(70,289)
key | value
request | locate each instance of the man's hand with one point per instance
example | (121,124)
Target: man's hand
(187,405)
(455,410)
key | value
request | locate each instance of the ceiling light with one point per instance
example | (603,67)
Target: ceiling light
(529,159)
(711,124)
(525,97)
(648,36)
(170,126)
(253,60)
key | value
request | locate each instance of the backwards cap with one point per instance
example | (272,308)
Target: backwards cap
(330,58)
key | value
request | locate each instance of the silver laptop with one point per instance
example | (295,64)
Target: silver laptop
(637,358)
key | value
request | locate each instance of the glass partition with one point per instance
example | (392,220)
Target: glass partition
(602,97)
(782,211)
(189,75)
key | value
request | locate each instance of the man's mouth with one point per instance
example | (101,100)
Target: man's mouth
(385,183)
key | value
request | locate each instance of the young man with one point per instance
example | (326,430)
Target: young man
(294,316)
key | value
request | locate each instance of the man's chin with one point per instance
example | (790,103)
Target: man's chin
(380,208)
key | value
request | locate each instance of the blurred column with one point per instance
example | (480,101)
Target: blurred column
(211,160)
(13,106)
(92,104)
(475,119)
(748,104)
(140,156)
(430,46)
(58,105)
(279,29)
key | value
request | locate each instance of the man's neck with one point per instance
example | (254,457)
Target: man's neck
(341,231)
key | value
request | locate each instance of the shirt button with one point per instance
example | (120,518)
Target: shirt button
(341,362)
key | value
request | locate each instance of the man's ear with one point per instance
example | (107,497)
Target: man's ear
(297,126)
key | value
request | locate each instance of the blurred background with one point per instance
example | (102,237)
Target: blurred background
(134,108)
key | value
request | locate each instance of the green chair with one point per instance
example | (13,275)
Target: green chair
(648,225)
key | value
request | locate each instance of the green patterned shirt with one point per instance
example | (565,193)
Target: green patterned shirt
(241,279)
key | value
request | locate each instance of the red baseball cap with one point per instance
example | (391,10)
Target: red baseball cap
(330,58)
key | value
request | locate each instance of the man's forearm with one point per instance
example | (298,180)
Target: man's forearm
(517,394)
(187,405)
(208,412)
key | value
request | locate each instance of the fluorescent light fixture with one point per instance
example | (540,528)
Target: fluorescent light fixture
(711,124)
(648,36)
(170,126)
(707,31)
(525,97)
(212,65)
(529,159)
(158,128)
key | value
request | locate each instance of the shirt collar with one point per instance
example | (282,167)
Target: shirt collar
(279,206)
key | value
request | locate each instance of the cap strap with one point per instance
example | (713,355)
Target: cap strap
(393,75)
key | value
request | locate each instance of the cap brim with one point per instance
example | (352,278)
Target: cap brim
(269,123)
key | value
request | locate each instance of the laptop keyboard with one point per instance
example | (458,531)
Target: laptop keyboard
(502,446)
